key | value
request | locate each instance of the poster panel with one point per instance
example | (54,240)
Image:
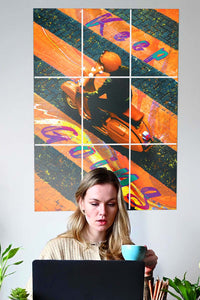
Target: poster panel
(106,94)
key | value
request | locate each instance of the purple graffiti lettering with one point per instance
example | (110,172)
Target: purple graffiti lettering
(76,152)
(150,192)
(122,174)
(101,20)
(141,206)
(87,151)
(99,164)
(122,36)
(113,158)
(139,46)
(53,135)
(103,162)
(160,54)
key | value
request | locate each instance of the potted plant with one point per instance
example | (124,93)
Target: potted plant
(184,289)
(4,262)
(19,294)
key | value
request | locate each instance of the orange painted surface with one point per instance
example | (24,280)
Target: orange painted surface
(46,115)
(44,118)
(113,159)
(110,29)
(171,13)
(49,199)
(154,112)
(67,60)
(162,121)
(167,198)
(54,51)
(57,53)
(168,65)
(75,13)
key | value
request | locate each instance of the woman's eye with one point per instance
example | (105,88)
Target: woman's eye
(94,204)
(111,204)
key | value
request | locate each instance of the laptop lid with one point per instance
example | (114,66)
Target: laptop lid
(87,280)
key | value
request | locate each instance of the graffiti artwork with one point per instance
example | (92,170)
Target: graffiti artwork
(105,94)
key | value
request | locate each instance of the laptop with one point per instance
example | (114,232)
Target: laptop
(87,280)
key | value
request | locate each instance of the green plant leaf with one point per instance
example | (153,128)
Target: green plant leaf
(191,291)
(9,247)
(196,285)
(184,276)
(198,281)
(198,292)
(177,281)
(18,263)
(19,294)
(187,290)
(177,297)
(4,257)
(185,293)
(12,252)
(172,284)
(9,274)
(4,270)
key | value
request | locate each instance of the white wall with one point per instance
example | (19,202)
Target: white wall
(174,235)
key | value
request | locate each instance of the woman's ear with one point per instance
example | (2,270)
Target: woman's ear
(81,205)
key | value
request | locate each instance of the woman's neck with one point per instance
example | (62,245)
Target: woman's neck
(93,237)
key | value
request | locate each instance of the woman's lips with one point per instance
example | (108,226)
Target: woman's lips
(102,222)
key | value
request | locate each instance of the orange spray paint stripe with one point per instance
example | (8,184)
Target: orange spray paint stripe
(170,13)
(167,198)
(57,53)
(45,113)
(49,199)
(168,65)
(162,121)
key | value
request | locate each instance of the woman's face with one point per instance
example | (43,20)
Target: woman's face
(100,207)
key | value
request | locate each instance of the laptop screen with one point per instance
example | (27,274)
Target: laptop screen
(87,280)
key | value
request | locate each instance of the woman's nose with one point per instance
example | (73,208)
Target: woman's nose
(102,209)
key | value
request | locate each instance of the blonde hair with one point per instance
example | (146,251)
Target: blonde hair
(119,232)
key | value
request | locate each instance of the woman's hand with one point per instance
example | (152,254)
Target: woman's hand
(150,261)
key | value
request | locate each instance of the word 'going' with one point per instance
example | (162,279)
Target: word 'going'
(77,152)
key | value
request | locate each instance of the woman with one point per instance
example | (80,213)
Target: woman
(99,226)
